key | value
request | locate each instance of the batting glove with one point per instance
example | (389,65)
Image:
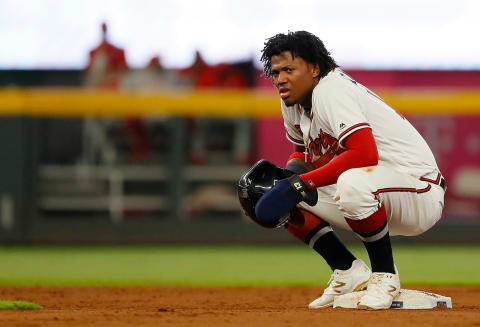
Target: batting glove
(283,197)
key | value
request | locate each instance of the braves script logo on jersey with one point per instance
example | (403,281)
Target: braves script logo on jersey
(322,149)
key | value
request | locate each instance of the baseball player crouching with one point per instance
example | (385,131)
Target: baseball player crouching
(357,164)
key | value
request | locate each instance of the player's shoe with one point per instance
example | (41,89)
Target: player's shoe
(343,282)
(381,290)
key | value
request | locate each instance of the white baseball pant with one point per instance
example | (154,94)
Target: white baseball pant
(412,205)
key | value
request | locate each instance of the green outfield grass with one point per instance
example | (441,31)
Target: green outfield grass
(220,265)
(18,305)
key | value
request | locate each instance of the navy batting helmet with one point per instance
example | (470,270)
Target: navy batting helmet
(257,181)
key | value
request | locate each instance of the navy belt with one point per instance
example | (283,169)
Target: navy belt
(443,183)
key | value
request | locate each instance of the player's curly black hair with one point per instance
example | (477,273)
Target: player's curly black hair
(302,44)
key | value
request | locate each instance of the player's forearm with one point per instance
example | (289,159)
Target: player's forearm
(361,152)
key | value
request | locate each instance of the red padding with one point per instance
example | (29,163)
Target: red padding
(361,151)
(369,224)
(299,230)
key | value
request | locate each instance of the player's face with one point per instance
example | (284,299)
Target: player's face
(294,78)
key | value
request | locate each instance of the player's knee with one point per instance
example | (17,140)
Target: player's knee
(353,192)
(350,181)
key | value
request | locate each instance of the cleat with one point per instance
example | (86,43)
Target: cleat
(382,288)
(343,282)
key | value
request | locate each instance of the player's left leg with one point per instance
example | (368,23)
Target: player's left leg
(349,274)
(373,198)
(317,234)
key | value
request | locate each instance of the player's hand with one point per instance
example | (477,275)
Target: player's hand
(283,197)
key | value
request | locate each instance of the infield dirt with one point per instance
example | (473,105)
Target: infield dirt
(208,306)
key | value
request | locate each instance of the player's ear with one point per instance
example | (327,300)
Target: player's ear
(315,71)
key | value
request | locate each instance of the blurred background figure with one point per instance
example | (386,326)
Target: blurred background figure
(155,78)
(192,72)
(107,70)
(217,141)
(210,134)
(107,64)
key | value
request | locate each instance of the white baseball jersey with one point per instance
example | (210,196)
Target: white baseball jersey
(341,106)
(406,180)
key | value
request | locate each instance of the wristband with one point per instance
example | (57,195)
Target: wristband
(295,155)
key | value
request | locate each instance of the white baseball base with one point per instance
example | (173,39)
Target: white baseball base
(406,299)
